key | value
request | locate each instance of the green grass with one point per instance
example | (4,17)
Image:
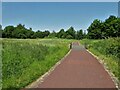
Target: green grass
(107,50)
(25,60)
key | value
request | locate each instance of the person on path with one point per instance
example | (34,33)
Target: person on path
(70,45)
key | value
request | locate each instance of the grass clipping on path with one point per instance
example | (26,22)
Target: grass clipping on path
(26,60)
(107,50)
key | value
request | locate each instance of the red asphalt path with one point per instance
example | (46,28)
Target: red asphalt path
(78,70)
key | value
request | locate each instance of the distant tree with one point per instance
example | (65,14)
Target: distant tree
(1,31)
(38,34)
(95,30)
(69,37)
(46,33)
(8,31)
(20,32)
(111,18)
(29,33)
(20,26)
(61,33)
(117,26)
(71,33)
(0,27)
(53,34)
(79,34)
(111,27)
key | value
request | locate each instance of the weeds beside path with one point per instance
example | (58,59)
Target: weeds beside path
(78,70)
(25,60)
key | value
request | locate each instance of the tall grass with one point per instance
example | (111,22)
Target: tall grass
(108,50)
(26,60)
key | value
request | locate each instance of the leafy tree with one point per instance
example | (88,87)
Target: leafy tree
(79,34)
(20,31)
(1,31)
(71,33)
(61,33)
(46,33)
(95,30)
(111,27)
(8,31)
(29,33)
(53,34)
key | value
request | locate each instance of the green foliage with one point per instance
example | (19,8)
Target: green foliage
(71,33)
(109,28)
(97,30)
(61,33)
(69,37)
(52,35)
(26,60)
(94,30)
(22,33)
(1,31)
(108,50)
(80,34)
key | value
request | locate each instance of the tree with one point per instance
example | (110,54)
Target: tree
(61,33)
(29,33)
(95,30)
(53,34)
(20,31)
(46,33)
(71,33)
(79,34)
(1,31)
(111,27)
(8,31)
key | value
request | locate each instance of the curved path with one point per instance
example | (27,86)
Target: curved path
(78,70)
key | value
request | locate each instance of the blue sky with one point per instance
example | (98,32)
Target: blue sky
(54,16)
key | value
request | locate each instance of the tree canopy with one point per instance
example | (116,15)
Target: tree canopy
(109,28)
(97,30)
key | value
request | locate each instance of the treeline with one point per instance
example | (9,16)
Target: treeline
(97,30)
(21,32)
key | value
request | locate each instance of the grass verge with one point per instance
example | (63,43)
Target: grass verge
(26,60)
(107,50)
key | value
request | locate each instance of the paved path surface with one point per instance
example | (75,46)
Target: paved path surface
(78,70)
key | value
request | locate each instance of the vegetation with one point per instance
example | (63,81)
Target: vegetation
(26,56)
(21,32)
(26,60)
(97,30)
(107,50)
(101,30)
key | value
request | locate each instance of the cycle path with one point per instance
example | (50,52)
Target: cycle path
(79,69)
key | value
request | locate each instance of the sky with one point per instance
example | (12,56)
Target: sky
(56,15)
(60,0)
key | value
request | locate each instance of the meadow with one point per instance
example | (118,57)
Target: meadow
(25,60)
(108,50)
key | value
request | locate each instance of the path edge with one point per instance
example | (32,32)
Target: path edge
(41,79)
(114,79)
